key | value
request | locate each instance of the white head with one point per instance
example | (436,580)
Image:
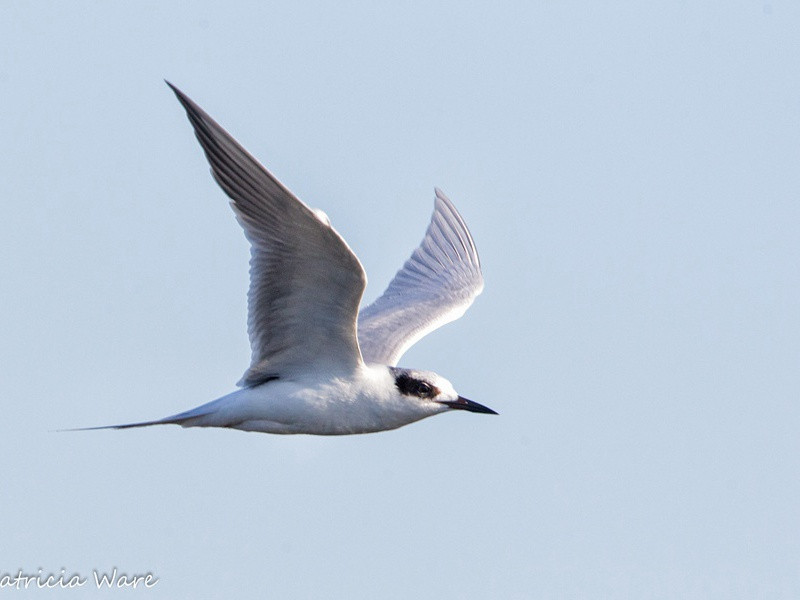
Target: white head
(432,392)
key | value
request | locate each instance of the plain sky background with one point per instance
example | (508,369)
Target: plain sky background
(630,173)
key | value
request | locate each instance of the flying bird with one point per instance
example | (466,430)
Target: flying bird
(319,365)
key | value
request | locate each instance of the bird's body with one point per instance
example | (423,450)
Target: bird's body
(319,366)
(366,401)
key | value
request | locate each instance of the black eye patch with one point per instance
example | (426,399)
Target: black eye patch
(415,387)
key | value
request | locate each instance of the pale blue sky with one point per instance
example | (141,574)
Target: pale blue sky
(630,174)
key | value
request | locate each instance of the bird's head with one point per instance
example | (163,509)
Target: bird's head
(433,391)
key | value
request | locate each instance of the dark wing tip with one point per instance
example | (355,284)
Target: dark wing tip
(187,102)
(174,88)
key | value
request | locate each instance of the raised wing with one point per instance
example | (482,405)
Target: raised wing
(435,286)
(305,282)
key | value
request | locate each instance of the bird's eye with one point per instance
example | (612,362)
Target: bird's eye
(424,389)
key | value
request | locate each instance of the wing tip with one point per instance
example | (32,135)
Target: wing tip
(442,197)
(456,225)
(181,96)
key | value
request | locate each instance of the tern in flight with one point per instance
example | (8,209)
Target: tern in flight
(318,365)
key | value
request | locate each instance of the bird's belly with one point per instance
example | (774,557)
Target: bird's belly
(334,418)
(284,408)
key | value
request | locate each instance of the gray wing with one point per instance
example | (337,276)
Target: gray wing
(435,286)
(305,282)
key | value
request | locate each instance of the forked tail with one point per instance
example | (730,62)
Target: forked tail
(167,421)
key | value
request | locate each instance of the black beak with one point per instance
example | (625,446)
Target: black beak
(464,404)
